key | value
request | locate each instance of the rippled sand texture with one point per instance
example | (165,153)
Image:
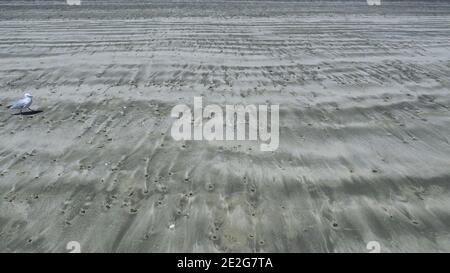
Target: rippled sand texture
(365,127)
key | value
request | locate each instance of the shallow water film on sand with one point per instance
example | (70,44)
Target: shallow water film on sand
(363,156)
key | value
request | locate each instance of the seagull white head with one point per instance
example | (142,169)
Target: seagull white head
(28,95)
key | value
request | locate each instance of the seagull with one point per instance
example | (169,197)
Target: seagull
(23,103)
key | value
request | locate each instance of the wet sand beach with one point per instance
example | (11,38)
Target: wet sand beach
(364,150)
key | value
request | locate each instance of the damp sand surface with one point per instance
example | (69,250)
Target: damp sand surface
(364,149)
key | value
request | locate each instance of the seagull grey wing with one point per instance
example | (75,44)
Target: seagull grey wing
(19,104)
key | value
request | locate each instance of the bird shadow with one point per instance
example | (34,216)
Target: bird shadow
(28,113)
